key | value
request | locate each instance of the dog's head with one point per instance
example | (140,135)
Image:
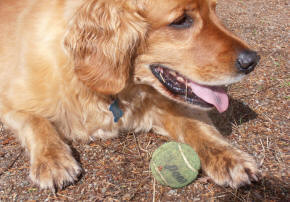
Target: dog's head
(177,46)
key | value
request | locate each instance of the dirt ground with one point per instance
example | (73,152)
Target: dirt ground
(257,122)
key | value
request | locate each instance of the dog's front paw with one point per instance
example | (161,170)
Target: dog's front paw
(54,169)
(232,168)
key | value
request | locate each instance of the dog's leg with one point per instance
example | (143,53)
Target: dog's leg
(52,165)
(222,162)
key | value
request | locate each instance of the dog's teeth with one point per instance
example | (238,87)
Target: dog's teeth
(180,79)
(173,73)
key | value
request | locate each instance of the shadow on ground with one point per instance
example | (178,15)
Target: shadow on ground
(237,114)
(268,187)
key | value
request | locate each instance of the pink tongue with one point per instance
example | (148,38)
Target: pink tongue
(214,96)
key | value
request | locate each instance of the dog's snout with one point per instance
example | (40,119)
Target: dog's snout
(247,60)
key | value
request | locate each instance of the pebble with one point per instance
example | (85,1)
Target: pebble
(172,192)
(104,190)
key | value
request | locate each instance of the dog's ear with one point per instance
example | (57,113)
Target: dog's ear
(102,39)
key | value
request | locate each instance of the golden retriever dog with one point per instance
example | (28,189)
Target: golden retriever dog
(84,69)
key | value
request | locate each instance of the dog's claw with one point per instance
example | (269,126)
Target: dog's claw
(237,170)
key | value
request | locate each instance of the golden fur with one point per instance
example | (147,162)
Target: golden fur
(62,63)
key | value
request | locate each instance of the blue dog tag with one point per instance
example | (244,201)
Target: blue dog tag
(115,109)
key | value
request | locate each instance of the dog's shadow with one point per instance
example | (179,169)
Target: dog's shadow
(237,114)
(268,187)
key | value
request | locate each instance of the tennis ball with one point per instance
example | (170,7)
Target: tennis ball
(175,164)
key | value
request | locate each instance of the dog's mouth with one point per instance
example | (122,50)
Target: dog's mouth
(183,89)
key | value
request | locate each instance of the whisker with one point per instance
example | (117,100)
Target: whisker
(160,74)
(186,89)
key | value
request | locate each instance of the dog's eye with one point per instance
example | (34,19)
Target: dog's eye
(184,21)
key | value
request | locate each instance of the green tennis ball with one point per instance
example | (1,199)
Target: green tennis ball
(175,164)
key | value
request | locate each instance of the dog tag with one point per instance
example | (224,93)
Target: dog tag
(115,109)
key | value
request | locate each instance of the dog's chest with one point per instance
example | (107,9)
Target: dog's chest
(106,119)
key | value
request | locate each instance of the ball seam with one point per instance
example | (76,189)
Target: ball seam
(185,160)
(161,176)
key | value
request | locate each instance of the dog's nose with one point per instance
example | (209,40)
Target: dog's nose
(247,61)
